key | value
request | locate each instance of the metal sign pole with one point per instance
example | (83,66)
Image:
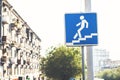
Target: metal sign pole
(90,73)
(83,70)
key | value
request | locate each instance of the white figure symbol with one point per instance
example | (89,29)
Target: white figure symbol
(83,24)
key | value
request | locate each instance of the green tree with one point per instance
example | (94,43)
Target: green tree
(62,63)
(110,74)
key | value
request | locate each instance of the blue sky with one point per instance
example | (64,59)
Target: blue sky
(46,18)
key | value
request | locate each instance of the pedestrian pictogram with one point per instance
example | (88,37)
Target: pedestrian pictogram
(81,29)
(82,26)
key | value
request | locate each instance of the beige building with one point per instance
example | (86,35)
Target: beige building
(19,46)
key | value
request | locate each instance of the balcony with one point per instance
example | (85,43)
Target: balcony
(13,26)
(24,62)
(4,38)
(13,44)
(28,62)
(3,59)
(18,61)
(9,65)
(4,71)
(4,51)
(19,32)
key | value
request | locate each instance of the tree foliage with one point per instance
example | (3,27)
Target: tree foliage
(62,63)
(110,74)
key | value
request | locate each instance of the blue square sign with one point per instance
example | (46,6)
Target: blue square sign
(81,29)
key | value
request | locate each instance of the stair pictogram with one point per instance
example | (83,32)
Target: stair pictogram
(84,39)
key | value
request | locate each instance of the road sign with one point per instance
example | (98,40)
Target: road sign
(81,29)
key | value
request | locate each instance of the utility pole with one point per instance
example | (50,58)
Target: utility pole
(90,74)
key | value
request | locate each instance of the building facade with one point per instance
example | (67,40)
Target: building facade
(109,64)
(19,46)
(99,58)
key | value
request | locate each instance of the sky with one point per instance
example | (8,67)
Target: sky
(46,19)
